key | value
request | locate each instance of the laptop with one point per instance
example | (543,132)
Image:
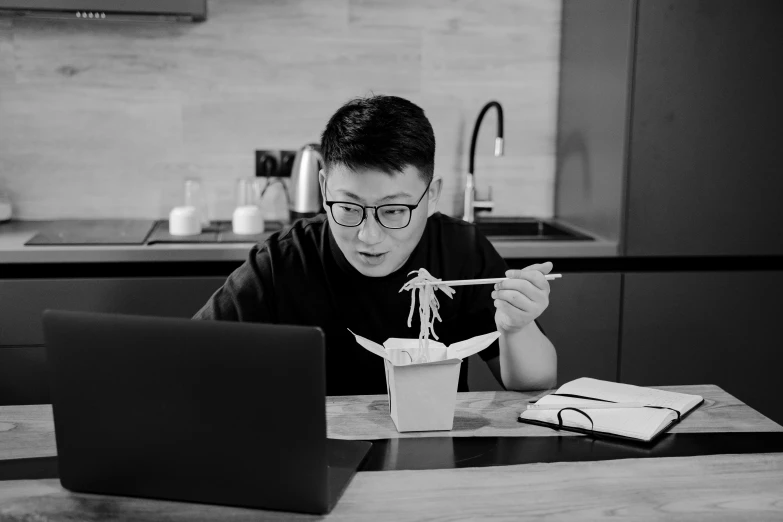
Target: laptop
(199,411)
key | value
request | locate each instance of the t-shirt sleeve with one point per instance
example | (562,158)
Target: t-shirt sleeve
(246,295)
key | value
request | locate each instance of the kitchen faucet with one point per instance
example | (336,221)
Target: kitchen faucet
(471,204)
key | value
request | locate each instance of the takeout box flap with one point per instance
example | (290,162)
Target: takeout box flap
(468,347)
(370,346)
(451,354)
(396,343)
(402,352)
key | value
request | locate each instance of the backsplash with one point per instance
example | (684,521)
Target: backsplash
(107,119)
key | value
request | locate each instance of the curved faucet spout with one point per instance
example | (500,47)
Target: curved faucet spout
(477,126)
(470,203)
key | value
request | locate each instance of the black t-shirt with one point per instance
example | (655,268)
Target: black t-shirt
(300,276)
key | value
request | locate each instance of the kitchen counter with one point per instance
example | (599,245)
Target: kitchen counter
(14,234)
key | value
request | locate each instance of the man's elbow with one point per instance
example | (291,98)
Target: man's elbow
(540,383)
(543,377)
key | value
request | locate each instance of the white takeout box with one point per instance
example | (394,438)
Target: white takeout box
(422,396)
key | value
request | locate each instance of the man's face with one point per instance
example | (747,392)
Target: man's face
(372,249)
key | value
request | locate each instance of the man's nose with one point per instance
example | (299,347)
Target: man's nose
(370,230)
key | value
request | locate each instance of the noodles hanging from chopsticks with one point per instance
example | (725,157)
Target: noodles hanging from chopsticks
(428,307)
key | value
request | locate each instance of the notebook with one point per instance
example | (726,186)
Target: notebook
(664,409)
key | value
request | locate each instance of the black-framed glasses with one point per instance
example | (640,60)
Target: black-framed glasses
(393,216)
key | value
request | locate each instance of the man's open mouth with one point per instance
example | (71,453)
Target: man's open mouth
(371,258)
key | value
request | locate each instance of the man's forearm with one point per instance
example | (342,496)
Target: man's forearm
(528,360)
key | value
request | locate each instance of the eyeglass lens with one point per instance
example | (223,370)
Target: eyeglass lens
(390,216)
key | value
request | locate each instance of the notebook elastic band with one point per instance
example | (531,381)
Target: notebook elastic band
(604,400)
(560,419)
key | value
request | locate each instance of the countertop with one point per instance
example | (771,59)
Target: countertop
(717,484)
(366,417)
(14,234)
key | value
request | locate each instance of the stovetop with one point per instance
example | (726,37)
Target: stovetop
(137,232)
(94,232)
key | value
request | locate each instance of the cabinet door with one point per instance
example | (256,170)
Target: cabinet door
(704,158)
(592,103)
(23,377)
(23,301)
(718,328)
(582,321)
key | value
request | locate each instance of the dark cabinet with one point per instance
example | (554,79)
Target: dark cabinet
(23,378)
(669,127)
(22,355)
(706,328)
(704,130)
(23,300)
(582,321)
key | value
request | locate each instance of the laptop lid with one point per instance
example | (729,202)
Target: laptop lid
(201,411)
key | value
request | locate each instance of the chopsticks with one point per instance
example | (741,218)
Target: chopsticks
(461,282)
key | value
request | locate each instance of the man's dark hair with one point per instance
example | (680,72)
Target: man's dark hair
(384,133)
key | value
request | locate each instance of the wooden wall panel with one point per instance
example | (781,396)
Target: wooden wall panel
(7,74)
(467,16)
(106,120)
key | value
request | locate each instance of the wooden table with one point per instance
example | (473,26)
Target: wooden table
(715,487)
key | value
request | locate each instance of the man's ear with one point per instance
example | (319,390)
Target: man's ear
(322,184)
(433,195)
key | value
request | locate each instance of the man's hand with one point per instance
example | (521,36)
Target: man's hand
(522,298)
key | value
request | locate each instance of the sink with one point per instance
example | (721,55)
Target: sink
(527,229)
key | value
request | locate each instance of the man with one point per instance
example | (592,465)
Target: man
(345,269)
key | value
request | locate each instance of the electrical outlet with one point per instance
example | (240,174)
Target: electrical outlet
(274,163)
(286,163)
(267,162)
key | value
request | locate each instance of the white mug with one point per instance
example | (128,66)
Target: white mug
(184,221)
(247,220)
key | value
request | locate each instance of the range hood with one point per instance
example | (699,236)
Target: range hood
(108,10)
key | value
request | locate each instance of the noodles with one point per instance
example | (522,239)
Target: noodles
(428,308)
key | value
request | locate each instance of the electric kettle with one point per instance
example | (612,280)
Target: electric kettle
(5,206)
(305,191)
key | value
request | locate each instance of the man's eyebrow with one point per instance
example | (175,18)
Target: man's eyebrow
(385,198)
